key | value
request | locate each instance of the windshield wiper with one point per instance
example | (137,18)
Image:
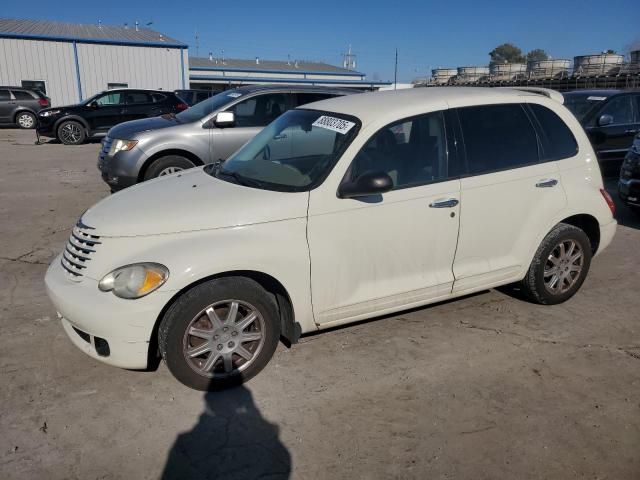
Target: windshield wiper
(240,179)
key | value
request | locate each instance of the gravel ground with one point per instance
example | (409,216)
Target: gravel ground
(484,387)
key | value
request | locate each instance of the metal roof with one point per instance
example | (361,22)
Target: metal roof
(269,66)
(85,33)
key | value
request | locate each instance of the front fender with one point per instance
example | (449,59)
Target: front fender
(278,249)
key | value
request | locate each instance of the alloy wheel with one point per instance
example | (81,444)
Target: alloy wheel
(71,133)
(25,120)
(224,338)
(169,171)
(563,267)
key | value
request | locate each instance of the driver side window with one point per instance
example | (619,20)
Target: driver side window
(412,152)
(115,98)
(620,108)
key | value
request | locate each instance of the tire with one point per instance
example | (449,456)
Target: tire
(167,165)
(568,281)
(72,133)
(26,120)
(213,362)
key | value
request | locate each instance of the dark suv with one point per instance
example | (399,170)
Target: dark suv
(611,123)
(73,124)
(629,184)
(19,106)
(191,97)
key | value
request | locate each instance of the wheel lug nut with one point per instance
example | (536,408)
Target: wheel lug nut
(215,337)
(225,329)
(234,333)
(230,344)
(219,346)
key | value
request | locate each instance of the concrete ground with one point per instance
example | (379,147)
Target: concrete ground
(485,387)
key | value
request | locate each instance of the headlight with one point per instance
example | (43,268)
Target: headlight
(48,113)
(121,146)
(134,281)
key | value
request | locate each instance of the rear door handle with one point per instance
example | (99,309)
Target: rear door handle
(444,203)
(631,131)
(547,183)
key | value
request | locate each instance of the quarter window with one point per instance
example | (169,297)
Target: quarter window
(497,137)
(138,98)
(412,152)
(259,111)
(620,108)
(557,140)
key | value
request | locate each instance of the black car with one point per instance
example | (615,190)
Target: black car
(191,97)
(73,124)
(19,106)
(629,184)
(611,118)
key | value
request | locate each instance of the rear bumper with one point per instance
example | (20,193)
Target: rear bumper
(607,232)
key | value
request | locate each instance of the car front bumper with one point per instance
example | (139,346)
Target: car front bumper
(110,329)
(46,126)
(122,169)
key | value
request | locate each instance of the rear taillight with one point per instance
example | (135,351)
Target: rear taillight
(43,102)
(609,200)
(181,106)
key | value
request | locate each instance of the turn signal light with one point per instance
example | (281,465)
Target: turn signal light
(181,107)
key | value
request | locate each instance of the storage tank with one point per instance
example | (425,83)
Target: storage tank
(507,71)
(635,56)
(599,64)
(471,74)
(549,68)
(441,76)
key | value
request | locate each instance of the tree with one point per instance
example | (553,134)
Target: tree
(537,55)
(506,53)
(610,51)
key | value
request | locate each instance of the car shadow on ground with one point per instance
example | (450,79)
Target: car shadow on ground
(624,215)
(230,441)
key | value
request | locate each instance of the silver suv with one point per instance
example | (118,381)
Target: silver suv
(208,132)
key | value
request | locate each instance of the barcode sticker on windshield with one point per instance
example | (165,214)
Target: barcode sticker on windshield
(596,98)
(234,95)
(332,123)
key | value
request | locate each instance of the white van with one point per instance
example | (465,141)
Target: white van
(338,211)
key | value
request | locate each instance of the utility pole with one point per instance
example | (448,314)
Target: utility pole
(349,60)
(395,75)
(197,43)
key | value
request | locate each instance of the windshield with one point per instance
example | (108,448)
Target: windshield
(580,103)
(204,108)
(294,153)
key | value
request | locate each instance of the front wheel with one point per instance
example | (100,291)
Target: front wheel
(559,266)
(71,133)
(220,333)
(168,165)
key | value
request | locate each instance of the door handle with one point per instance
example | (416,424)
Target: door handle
(282,136)
(444,203)
(547,183)
(631,131)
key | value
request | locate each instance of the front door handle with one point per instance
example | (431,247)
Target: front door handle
(631,131)
(444,203)
(547,183)
(282,136)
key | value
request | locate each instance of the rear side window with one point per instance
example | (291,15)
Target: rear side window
(22,95)
(4,95)
(304,98)
(620,108)
(158,97)
(497,137)
(557,140)
(138,97)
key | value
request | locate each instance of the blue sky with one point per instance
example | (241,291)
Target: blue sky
(427,34)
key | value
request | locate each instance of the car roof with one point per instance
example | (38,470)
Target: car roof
(298,88)
(389,105)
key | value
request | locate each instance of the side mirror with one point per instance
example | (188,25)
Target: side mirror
(93,104)
(369,183)
(605,120)
(225,119)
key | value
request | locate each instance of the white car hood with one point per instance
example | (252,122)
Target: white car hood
(188,201)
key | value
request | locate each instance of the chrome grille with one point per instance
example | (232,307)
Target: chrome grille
(77,254)
(104,151)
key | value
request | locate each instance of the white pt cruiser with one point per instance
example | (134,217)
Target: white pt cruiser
(343,210)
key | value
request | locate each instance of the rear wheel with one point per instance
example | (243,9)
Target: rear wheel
(559,266)
(71,133)
(26,120)
(168,165)
(220,333)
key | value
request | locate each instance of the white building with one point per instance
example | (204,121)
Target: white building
(221,73)
(71,62)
